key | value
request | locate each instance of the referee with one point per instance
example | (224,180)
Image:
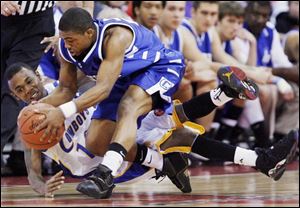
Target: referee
(23,26)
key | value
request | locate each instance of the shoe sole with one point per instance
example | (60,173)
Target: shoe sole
(95,192)
(181,178)
(279,168)
(225,74)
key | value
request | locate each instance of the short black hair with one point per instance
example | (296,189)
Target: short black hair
(137,4)
(251,4)
(76,20)
(13,69)
(196,4)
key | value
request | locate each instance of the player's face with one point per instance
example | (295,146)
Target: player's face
(229,26)
(173,14)
(149,13)
(205,16)
(77,43)
(26,86)
(258,18)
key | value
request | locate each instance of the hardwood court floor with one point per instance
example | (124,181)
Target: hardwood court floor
(226,186)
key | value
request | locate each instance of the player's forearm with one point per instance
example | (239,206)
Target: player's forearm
(252,58)
(93,96)
(33,166)
(291,74)
(59,96)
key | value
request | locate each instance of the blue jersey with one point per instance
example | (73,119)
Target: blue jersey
(147,64)
(227,47)
(264,46)
(203,41)
(174,43)
(49,65)
(144,50)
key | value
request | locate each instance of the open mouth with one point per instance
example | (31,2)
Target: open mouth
(34,96)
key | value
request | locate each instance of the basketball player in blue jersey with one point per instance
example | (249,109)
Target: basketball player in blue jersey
(164,130)
(134,73)
(270,53)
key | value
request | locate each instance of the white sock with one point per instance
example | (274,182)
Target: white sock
(229,122)
(153,159)
(245,157)
(218,97)
(113,161)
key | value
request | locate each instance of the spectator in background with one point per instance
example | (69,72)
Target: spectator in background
(270,53)
(148,13)
(23,26)
(235,39)
(111,9)
(288,20)
(201,26)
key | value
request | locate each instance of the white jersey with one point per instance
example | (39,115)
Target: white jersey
(71,152)
(153,128)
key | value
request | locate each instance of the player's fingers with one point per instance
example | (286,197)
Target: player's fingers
(54,189)
(58,174)
(54,50)
(16,6)
(59,179)
(47,48)
(47,133)
(49,195)
(54,185)
(5,12)
(42,126)
(10,9)
(53,133)
(46,40)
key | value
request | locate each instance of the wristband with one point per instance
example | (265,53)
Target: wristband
(68,109)
(282,85)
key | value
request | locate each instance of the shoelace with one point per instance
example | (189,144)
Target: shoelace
(159,174)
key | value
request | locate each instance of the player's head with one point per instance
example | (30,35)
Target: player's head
(231,18)
(173,14)
(205,14)
(257,14)
(24,83)
(77,28)
(147,13)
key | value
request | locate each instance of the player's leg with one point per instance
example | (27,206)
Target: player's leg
(133,104)
(271,161)
(98,139)
(234,84)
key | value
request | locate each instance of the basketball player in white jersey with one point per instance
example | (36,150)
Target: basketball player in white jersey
(162,132)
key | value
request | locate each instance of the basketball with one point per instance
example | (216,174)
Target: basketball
(28,120)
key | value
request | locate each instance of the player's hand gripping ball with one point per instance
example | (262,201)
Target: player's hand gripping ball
(27,121)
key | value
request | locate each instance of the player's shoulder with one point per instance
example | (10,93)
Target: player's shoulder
(270,25)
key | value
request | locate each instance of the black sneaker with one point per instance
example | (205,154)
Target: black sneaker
(236,84)
(175,167)
(99,185)
(273,161)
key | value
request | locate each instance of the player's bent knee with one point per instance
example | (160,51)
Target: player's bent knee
(95,148)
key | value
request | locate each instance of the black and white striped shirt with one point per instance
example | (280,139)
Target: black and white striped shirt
(28,7)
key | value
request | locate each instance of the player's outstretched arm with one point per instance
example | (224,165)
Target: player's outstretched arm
(35,178)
